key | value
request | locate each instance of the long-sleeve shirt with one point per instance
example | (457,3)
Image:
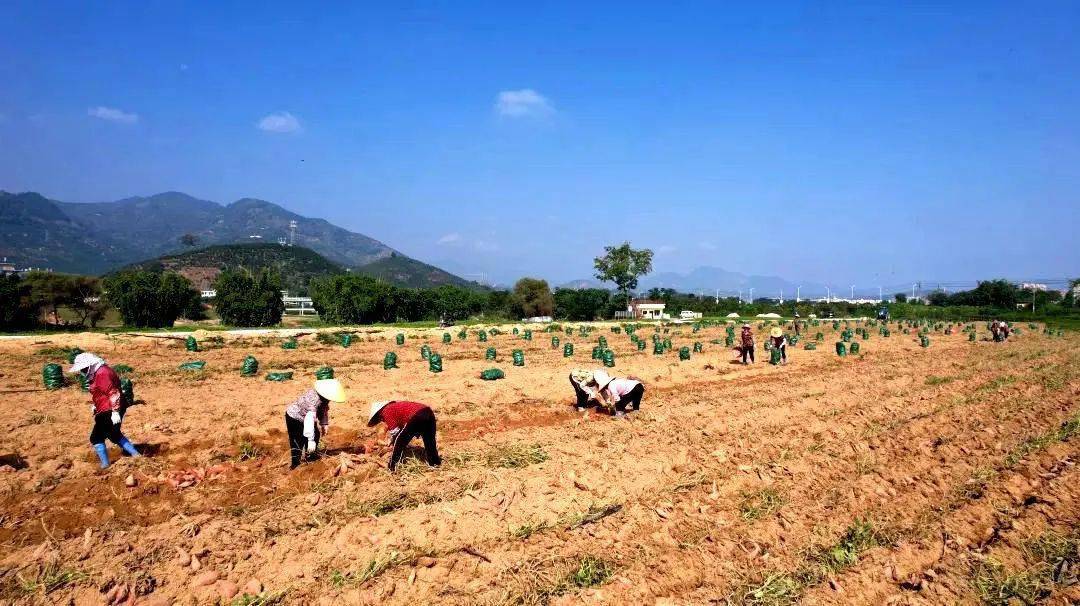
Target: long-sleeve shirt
(105,390)
(747,338)
(306,408)
(779,342)
(397,414)
(618,388)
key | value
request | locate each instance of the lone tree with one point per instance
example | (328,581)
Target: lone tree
(623,266)
(532,297)
(243,299)
(189,240)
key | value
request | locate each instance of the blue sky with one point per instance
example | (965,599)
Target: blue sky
(883,142)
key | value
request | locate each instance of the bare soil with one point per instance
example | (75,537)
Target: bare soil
(903,475)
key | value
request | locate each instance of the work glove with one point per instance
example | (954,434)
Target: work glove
(311,446)
(116,417)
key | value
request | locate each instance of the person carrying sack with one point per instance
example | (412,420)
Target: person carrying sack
(108,405)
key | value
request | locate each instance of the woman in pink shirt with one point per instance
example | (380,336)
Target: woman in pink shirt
(619,392)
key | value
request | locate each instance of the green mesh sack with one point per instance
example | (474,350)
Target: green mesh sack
(425,352)
(289,343)
(519,357)
(490,354)
(191,344)
(924,341)
(841,349)
(641,344)
(602,342)
(446,337)
(582,331)
(971,336)
(127,392)
(74,351)
(554,342)
(399,339)
(819,336)
(324,372)
(684,353)
(729,341)
(794,340)
(658,348)
(279,376)
(810,346)
(836,325)
(667,344)
(596,351)
(195,365)
(492,374)
(609,358)
(435,363)
(53,376)
(463,334)
(516,331)
(346,340)
(568,350)
(774,356)
(569,330)
(698,347)
(528,335)
(616,329)
(482,336)
(249,367)
(854,349)
(123,369)
(389,360)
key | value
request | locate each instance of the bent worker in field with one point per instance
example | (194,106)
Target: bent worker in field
(108,405)
(618,392)
(747,344)
(404,421)
(307,418)
(779,341)
(584,387)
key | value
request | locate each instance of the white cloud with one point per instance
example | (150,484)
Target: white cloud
(112,115)
(280,122)
(522,103)
(706,246)
(451,238)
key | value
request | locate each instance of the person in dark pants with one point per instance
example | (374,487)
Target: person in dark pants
(747,346)
(618,392)
(584,387)
(404,421)
(779,341)
(108,405)
(307,418)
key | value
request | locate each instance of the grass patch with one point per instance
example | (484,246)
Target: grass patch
(860,536)
(263,599)
(591,572)
(49,579)
(528,529)
(996,586)
(1068,429)
(514,456)
(934,380)
(773,590)
(760,503)
(375,567)
(248,451)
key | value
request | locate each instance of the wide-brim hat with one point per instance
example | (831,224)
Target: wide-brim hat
(330,389)
(776,332)
(83,361)
(375,408)
(602,378)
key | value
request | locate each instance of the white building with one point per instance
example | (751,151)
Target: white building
(643,309)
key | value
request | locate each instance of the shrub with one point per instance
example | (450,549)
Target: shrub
(246,300)
(15,309)
(147,299)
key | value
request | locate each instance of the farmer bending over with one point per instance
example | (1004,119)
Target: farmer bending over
(747,347)
(618,392)
(301,416)
(108,405)
(779,341)
(584,387)
(404,421)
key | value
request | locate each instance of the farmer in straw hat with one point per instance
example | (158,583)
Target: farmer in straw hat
(618,392)
(584,387)
(746,347)
(779,341)
(404,421)
(108,405)
(308,417)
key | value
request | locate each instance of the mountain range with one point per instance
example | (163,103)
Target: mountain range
(94,238)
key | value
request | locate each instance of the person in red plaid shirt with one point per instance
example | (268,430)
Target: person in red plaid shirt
(404,421)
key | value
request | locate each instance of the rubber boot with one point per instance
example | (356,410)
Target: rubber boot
(129,447)
(102,454)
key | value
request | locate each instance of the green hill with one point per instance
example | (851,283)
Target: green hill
(404,271)
(297,265)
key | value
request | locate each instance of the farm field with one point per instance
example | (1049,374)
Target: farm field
(901,475)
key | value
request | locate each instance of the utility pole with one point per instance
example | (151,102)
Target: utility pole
(740,296)
(912,292)
(781,296)
(751,295)
(1032,301)
(828,295)
(879,299)
(852,292)
(717,296)
(798,291)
